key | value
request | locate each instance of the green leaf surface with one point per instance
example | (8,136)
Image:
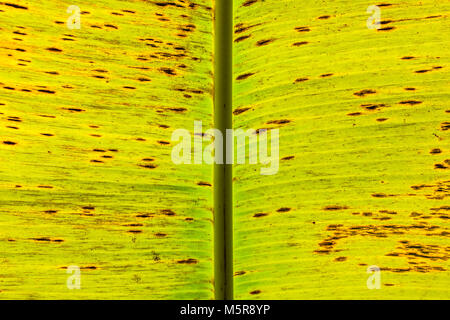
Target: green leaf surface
(364,150)
(86,176)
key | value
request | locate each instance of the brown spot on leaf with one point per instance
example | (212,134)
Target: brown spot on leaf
(134,231)
(300,43)
(386,29)
(410,102)
(168,212)
(249,3)
(148,166)
(188,261)
(13,5)
(255,292)
(111,26)
(264,42)
(54,49)
(300,80)
(303,29)
(241,38)
(364,92)
(168,71)
(340,259)
(244,76)
(47,91)
(282,121)
(144,215)
(240,110)
(379,195)
(259,215)
(435,151)
(445,126)
(372,107)
(160,235)
(178,110)
(335,208)
(75,109)
(422,71)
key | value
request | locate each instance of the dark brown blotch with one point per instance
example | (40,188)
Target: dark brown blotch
(282,121)
(436,151)
(241,38)
(335,208)
(249,3)
(160,235)
(168,71)
(264,42)
(240,110)
(386,29)
(410,102)
(445,126)
(302,29)
(148,166)
(260,214)
(364,92)
(301,43)
(188,261)
(47,91)
(13,5)
(75,109)
(340,259)
(298,80)
(167,212)
(54,49)
(244,76)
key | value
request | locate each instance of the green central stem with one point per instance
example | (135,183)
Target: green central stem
(223,211)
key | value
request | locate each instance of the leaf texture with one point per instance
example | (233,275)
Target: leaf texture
(86,176)
(364,169)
